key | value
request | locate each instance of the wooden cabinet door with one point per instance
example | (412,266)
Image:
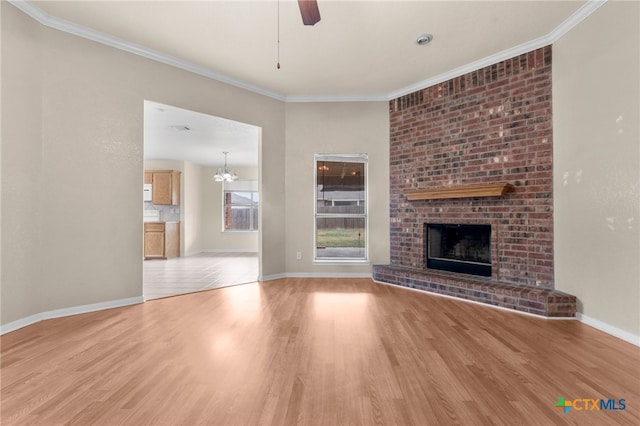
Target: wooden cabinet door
(154,245)
(161,189)
(165,186)
(154,241)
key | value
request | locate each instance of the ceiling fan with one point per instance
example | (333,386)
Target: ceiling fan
(309,11)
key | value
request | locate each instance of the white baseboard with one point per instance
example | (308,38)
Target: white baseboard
(329,275)
(634,339)
(484,305)
(629,337)
(592,322)
(194,253)
(65,312)
(228,251)
(315,275)
(271,277)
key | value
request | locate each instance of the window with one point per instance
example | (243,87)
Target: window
(240,207)
(341,207)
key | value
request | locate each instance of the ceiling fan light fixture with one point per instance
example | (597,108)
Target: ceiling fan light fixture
(424,39)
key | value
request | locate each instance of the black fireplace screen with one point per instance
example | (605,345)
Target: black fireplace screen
(459,248)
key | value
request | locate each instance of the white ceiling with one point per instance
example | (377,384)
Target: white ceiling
(360,50)
(172,133)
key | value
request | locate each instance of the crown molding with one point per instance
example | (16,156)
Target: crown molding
(578,16)
(69,27)
(473,66)
(338,98)
(108,40)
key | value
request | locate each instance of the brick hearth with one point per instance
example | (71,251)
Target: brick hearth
(533,300)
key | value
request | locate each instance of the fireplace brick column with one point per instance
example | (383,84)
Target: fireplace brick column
(490,125)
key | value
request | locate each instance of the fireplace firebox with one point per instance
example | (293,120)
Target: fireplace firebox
(459,248)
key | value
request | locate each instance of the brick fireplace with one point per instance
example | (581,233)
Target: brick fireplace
(492,126)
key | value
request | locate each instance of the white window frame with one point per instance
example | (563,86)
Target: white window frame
(342,158)
(240,186)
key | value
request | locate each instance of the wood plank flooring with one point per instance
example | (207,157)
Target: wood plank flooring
(313,352)
(204,271)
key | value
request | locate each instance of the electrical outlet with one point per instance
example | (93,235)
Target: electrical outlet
(299,255)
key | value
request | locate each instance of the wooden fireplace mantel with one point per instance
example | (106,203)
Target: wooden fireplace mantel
(462,191)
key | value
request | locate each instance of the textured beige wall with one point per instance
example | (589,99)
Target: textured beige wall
(22,215)
(213,237)
(597,163)
(191,210)
(338,128)
(72,113)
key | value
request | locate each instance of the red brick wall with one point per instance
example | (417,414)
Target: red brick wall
(490,125)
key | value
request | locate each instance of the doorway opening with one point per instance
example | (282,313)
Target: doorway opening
(187,246)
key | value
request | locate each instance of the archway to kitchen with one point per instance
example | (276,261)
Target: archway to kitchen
(200,233)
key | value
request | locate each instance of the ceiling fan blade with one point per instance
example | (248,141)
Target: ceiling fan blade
(309,11)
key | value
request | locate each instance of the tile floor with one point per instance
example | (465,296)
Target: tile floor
(204,271)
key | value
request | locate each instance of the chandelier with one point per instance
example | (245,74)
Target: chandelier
(225,175)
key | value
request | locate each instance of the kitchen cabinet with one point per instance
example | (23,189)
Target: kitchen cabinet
(161,240)
(165,186)
(154,241)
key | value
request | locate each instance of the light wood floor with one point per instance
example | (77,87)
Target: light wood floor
(313,352)
(204,271)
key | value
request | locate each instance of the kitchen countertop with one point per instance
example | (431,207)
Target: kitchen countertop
(161,221)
